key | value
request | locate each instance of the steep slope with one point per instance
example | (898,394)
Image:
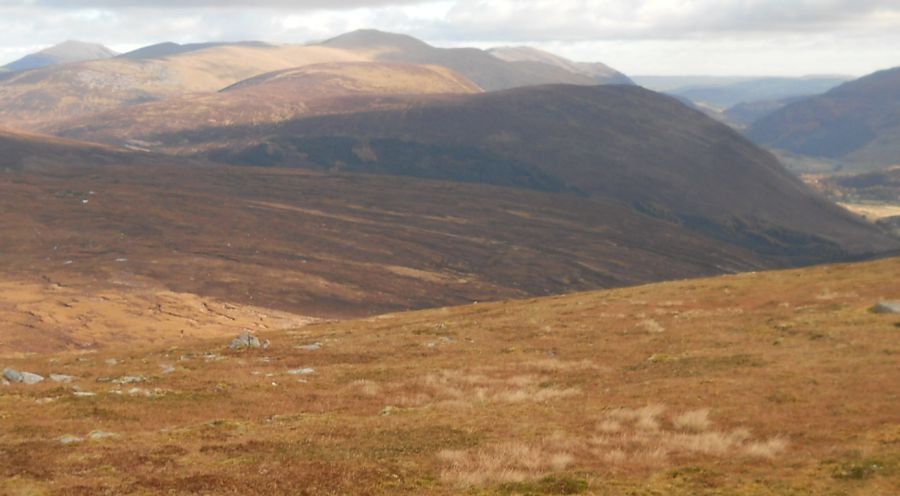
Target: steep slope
(34,98)
(858,122)
(753,385)
(745,114)
(273,97)
(613,142)
(601,72)
(487,71)
(63,53)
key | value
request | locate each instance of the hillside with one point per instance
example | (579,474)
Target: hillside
(745,114)
(316,89)
(63,53)
(41,98)
(857,123)
(37,98)
(23,151)
(327,245)
(488,72)
(618,143)
(751,385)
(758,89)
(601,72)
(167,49)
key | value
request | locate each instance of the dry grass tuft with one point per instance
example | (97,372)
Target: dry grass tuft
(694,421)
(505,462)
(458,387)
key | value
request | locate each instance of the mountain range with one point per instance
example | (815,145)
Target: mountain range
(41,97)
(245,268)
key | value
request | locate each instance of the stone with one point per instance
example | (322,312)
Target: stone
(167,369)
(101,435)
(245,341)
(887,307)
(69,439)
(83,394)
(302,371)
(61,378)
(111,361)
(309,347)
(130,379)
(13,375)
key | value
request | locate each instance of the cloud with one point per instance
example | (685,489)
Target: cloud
(661,19)
(771,36)
(295,5)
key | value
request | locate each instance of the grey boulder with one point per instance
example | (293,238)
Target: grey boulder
(887,307)
(13,375)
(247,341)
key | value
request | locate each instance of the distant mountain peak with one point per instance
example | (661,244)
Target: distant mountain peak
(67,52)
(373,38)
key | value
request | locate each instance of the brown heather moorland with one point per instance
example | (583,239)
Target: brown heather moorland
(309,244)
(778,383)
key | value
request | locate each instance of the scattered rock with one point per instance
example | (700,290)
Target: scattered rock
(101,435)
(167,369)
(130,379)
(44,401)
(111,361)
(61,378)
(887,307)
(309,347)
(13,375)
(69,439)
(148,393)
(83,394)
(247,341)
(304,371)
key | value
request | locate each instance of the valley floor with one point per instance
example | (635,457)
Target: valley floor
(762,383)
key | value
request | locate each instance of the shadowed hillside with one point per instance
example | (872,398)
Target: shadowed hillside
(23,151)
(612,142)
(332,245)
(858,123)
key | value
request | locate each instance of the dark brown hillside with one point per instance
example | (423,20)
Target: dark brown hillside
(332,245)
(613,142)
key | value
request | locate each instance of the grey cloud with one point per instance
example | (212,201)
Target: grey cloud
(657,19)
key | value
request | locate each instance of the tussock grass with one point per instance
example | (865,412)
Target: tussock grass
(624,437)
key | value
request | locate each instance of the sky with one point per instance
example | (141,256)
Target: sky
(638,37)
